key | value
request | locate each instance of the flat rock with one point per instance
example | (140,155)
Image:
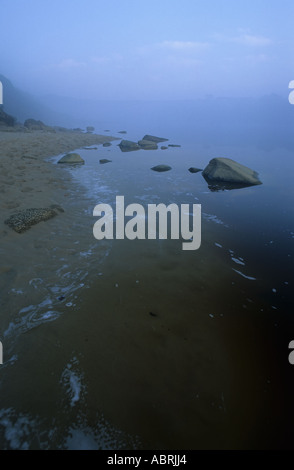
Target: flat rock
(71,158)
(194,170)
(128,146)
(104,160)
(153,138)
(227,170)
(147,144)
(173,145)
(23,220)
(161,168)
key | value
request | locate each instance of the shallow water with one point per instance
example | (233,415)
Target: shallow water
(119,344)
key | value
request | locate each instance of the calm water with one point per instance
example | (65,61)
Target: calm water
(139,344)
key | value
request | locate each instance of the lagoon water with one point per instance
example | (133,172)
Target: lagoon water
(120,344)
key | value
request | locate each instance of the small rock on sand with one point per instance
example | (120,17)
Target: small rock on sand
(104,160)
(71,158)
(23,220)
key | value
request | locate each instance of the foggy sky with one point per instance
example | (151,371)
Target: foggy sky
(152,49)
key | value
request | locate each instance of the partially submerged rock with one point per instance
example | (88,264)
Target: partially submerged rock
(90,148)
(194,170)
(173,145)
(23,220)
(147,144)
(128,146)
(153,138)
(122,132)
(71,158)
(90,129)
(104,160)
(107,144)
(163,147)
(229,171)
(161,168)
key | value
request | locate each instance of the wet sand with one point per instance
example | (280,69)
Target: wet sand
(26,179)
(166,347)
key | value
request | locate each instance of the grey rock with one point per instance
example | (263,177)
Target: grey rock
(90,148)
(23,220)
(122,132)
(71,158)
(194,170)
(104,160)
(153,138)
(107,144)
(227,170)
(128,146)
(90,129)
(147,144)
(34,125)
(173,145)
(163,147)
(161,168)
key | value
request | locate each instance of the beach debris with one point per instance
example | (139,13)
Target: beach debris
(104,160)
(71,158)
(23,220)
(147,144)
(227,170)
(194,170)
(153,138)
(128,146)
(106,144)
(161,168)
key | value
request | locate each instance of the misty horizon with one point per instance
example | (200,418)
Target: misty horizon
(161,51)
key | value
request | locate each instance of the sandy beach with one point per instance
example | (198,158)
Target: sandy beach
(26,178)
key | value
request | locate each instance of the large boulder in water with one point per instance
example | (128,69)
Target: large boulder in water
(148,144)
(128,146)
(71,158)
(153,138)
(229,171)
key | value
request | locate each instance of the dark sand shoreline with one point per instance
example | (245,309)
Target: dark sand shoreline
(26,178)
